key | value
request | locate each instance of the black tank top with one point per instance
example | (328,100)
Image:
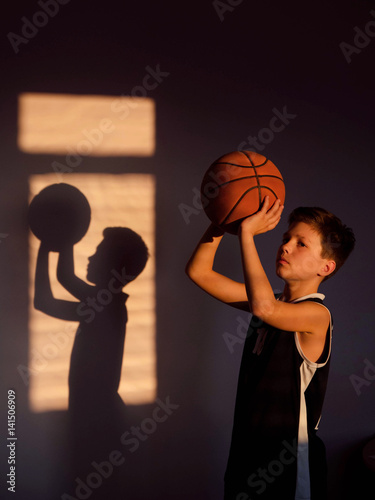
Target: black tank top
(278,407)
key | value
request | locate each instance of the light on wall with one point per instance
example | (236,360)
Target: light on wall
(125,200)
(79,127)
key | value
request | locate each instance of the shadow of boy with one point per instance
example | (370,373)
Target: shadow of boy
(95,407)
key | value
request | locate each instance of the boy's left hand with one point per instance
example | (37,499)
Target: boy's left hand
(264,220)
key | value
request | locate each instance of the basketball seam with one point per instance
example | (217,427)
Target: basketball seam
(237,203)
(237,165)
(241,198)
(249,158)
(258,177)
(256,173)
(249,177)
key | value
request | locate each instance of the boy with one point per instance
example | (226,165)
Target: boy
(275,452)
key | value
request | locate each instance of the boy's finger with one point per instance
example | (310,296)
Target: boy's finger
(265,204)
(276,211)
(275,207)
(278,206)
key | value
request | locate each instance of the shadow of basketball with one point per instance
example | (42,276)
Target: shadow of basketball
(60,214)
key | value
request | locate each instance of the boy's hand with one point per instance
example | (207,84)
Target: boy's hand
(264,220)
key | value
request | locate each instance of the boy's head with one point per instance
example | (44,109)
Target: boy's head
(337,239)
(121,250)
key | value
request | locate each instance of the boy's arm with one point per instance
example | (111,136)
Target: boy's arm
(306,317)
(65,274)
(43,299)
(200,270)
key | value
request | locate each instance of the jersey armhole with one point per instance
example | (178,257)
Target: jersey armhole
(323,360)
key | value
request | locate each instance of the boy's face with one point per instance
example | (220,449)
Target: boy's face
(300,255)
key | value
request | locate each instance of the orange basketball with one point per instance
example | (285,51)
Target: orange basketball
(235,185)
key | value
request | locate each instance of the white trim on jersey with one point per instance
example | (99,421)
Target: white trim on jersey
(307,371)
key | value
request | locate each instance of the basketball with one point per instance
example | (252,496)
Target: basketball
(60,214)
(235,185)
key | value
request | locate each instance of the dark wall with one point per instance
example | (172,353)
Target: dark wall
(227,66)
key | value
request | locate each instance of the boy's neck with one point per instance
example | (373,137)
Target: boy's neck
(295,290)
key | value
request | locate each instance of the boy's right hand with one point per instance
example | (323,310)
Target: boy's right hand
(264,220)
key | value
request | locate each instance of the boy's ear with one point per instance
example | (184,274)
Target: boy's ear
(328,268)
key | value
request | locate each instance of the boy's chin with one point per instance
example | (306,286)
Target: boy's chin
(279,271)
(280,274)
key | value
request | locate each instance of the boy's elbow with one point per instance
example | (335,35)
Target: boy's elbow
(194,274)
(187,268)
(189,271)
(263,309)
(191,276)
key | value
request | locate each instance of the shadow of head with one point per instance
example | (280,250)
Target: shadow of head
(122,250)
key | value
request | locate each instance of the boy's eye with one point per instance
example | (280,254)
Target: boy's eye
(300,243)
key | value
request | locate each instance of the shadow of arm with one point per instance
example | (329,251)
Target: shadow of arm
(65,275)
(43,299)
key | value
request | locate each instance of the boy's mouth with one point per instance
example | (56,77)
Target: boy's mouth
(281,260)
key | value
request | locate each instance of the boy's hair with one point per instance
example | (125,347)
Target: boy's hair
(128,250)
(337,239)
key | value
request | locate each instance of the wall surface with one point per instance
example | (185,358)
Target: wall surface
(221,70)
